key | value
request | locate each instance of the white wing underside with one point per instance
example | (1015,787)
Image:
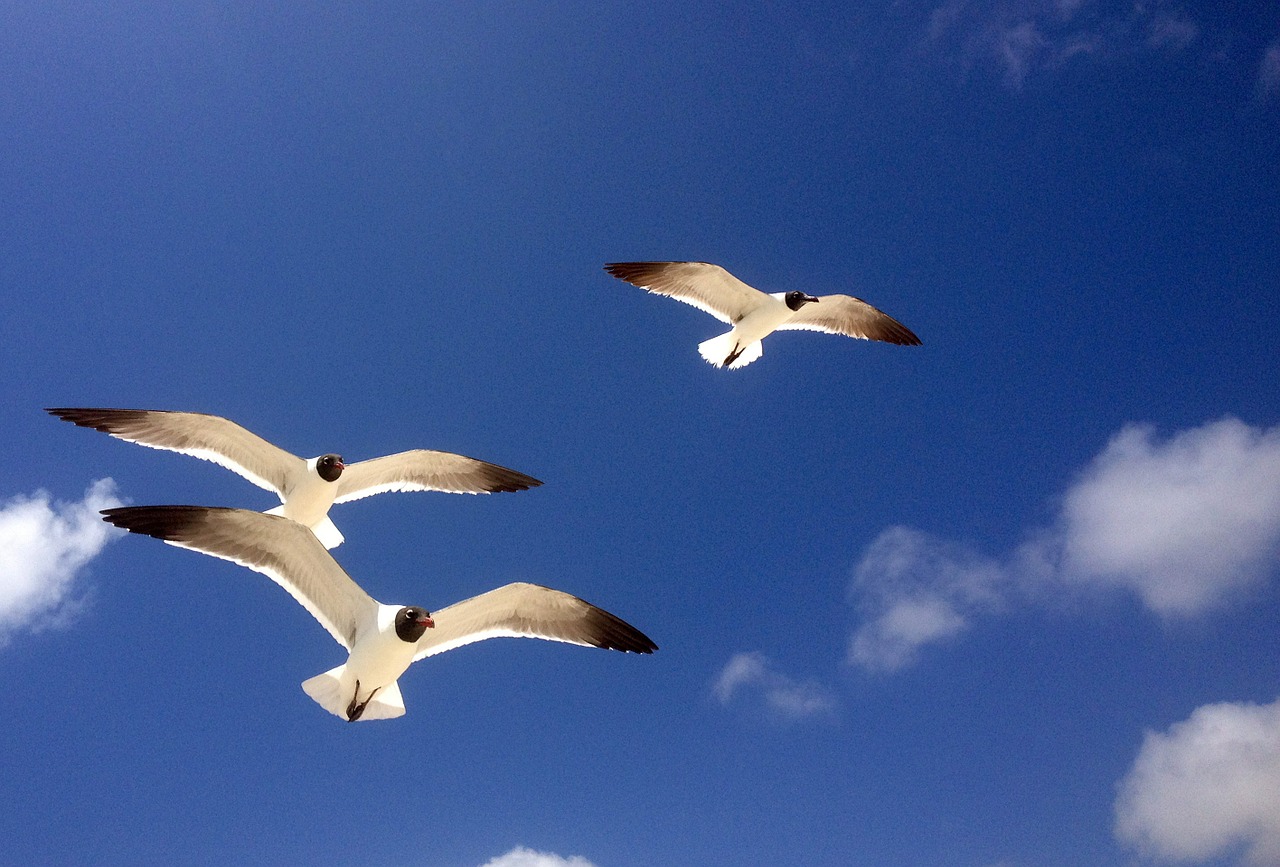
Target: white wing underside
(708,287)
(199,435)
(219,459)
(427,470)
(851,317)
(495,632)
(528,611)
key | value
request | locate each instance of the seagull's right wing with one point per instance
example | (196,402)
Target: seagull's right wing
(426,470)
(530,611)
(285,551)
(708,287)
(853,317)
(209,437)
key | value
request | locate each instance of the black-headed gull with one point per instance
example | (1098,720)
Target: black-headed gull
(307,488)
(753,314)
(382,640)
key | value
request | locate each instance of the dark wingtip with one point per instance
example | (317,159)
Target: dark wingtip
(159,522)
(500,480)
(96,418)
(614,633)
(635,271)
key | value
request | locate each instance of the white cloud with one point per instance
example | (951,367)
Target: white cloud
(43,547)
(1187,525)
(917,590)
(790,698)
(1208,786)
(525,857)
(1184,524)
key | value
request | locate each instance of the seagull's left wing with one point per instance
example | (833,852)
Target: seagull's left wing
(708,287)
(424,470)
(844,314)
(530,611)
(285,551)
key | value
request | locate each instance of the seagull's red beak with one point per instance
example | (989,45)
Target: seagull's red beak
(426,618)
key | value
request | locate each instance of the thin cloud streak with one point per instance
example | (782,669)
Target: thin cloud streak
(1187,525)
(1207,786)
(44,546)
(1025,37)
(522,856)
(754,672)
(1269,72)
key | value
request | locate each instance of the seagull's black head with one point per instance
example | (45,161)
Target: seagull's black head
(330,467)
(795,300)
(411,622)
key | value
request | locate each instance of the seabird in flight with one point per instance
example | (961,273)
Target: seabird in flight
(307,488)
(754,314)
(382,640)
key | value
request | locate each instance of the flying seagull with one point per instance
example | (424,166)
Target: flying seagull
(382,640)
(307,488)
(755,315)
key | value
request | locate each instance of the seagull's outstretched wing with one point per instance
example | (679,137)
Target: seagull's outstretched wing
(844,314)
(708,287)
(530,611)
(425,470)
(209,437)
(285,551)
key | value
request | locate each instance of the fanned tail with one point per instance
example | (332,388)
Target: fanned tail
(723,351)
(326,690)
(325,531)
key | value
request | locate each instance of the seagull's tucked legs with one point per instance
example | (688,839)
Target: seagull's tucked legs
(727,350)
(355,710)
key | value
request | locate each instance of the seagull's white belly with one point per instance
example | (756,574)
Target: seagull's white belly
(379,656)
(309,502)
(762,321)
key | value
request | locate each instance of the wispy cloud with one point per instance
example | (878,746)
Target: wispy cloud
(1187,525)
(524,857)
(1209,785)
(1022,37)
(918,590)
(43,547)
(756,673)
(1269,71)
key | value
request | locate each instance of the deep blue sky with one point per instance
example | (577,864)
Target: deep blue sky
(913,604)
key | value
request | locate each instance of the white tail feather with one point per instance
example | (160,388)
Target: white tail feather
(325,531)
(717,349)
(326,690)
(387,704)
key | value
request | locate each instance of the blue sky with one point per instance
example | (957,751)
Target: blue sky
(1009,598)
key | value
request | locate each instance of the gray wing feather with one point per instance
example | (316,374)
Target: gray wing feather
(708,287)
(285,551)
(425,470)
(209,437)
(530,611)
(844,314)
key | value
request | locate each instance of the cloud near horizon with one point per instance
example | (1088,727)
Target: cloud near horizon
(1206,787)
(522,856)
(1187,525)
(1023,37)
(44,547)
(754,672)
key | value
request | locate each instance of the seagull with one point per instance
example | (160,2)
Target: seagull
(382,640)
(755,315)
(307,488)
